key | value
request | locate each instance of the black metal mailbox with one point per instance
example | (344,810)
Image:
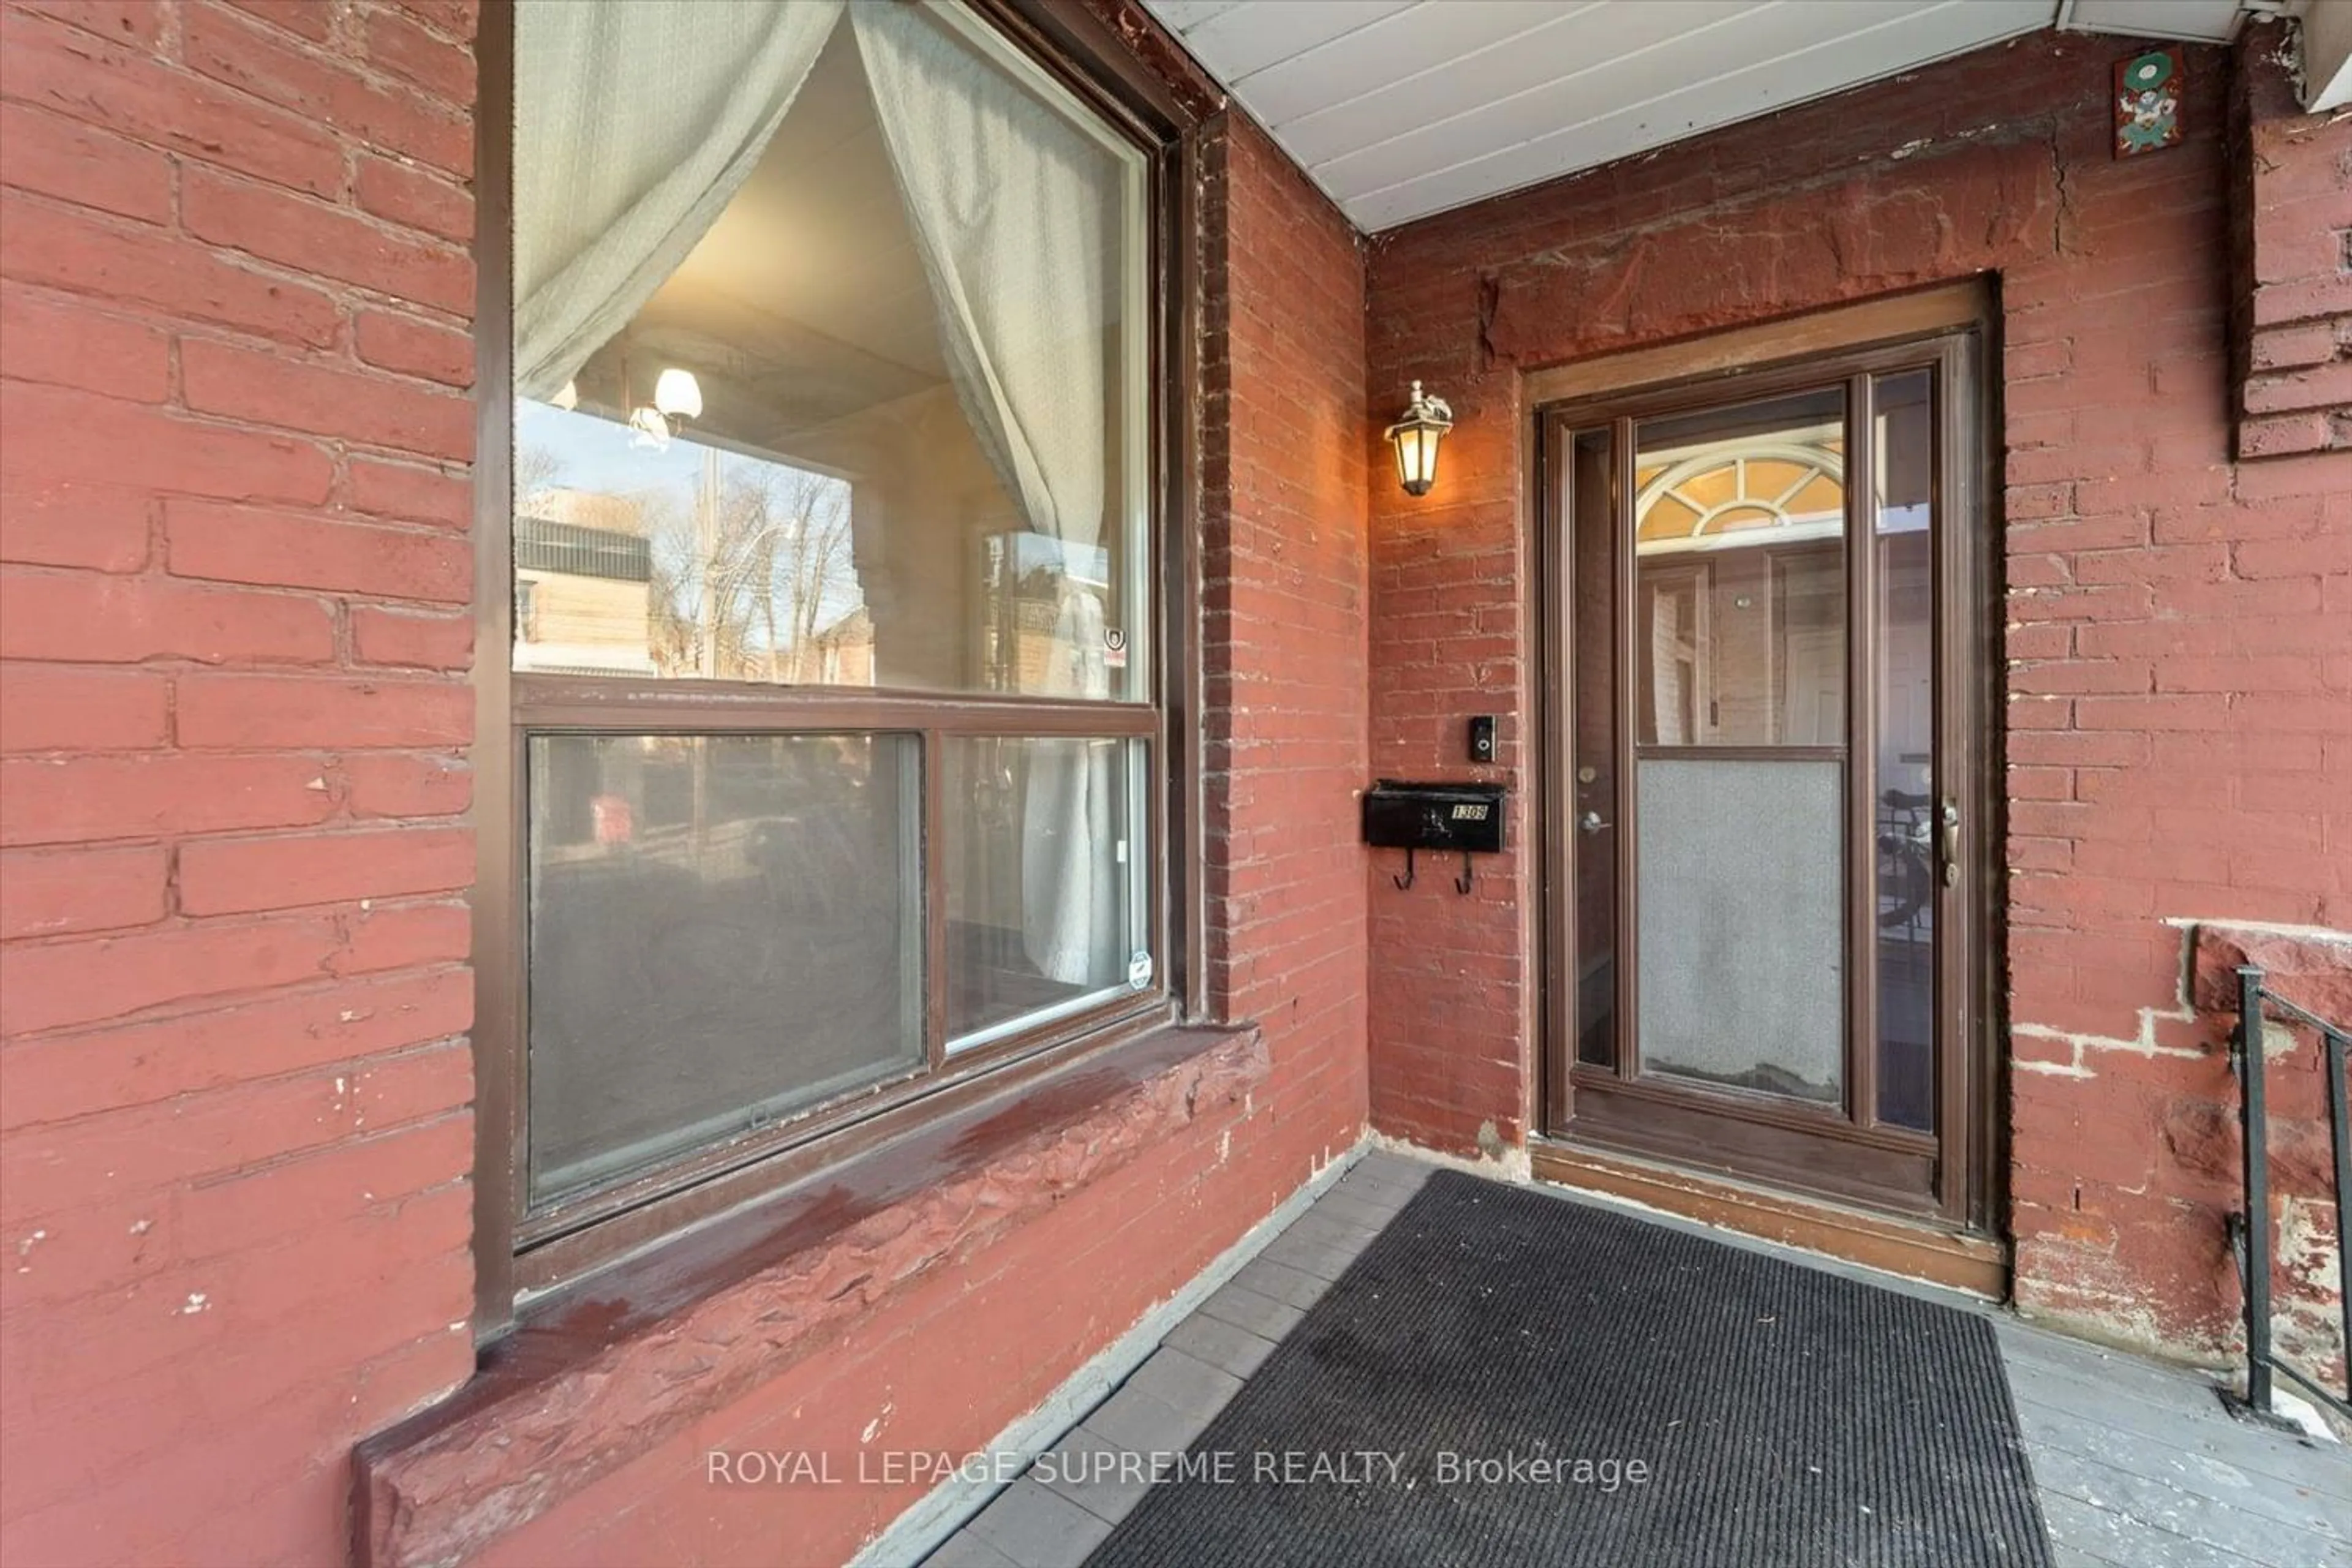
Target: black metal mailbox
(1468,817)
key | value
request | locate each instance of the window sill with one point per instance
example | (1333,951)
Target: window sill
(590,1235)
(597,1374)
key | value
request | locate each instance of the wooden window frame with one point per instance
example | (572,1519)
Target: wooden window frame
(520,1253)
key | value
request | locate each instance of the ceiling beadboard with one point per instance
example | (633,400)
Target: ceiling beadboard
(1400,109)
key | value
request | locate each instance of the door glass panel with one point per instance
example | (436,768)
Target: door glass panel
(1905,826)
(1741,948)
(1740,585)
(1739,595)
(1593,796)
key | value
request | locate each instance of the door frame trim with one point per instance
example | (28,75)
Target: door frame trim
(1834,345)
(1915,1250)
(1739,353)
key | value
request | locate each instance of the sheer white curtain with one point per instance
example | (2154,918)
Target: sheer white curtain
(1016,212)
(646,116)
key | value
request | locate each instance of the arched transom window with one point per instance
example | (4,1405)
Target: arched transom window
(1728,494)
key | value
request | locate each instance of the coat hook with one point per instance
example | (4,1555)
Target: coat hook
(1462,883)
(1405,881)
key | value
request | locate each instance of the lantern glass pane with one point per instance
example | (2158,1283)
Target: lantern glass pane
(1417,456)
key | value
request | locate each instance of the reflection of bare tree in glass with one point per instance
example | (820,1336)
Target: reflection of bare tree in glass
(535,470)
(820,581)
(747,574)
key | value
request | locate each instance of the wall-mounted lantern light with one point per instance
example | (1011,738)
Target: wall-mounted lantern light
(1426,420)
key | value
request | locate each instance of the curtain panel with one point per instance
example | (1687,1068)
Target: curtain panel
(648,115)
(1014,212)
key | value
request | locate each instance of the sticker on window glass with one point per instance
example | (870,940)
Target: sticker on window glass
(1139,971)
(1114,648)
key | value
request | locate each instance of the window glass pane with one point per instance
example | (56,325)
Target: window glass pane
(1045,886)
(1739,590)
(724,930)
(830,355)
(1905,827)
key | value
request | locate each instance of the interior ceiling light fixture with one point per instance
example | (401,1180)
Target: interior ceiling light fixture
(652,428)
(677,397)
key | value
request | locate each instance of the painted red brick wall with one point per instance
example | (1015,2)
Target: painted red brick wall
(2292,177)
(233,297)
(2312,971)
(2179,625)
(1285,615)
(234,505)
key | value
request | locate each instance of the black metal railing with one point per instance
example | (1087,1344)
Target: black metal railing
(2249,1228)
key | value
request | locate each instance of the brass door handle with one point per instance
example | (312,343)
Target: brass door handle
(1951,819)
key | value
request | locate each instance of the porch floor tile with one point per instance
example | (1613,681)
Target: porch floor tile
(2138,1464)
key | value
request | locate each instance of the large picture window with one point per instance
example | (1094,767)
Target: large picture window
(832,700)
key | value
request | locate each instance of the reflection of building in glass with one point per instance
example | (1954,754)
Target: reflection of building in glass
(1026,581)
(704,891)
(841,653)
(738,566)
(584,576)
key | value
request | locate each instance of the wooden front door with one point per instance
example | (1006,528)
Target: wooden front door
(1766,749)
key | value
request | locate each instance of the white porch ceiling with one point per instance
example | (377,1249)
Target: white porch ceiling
(1400,109)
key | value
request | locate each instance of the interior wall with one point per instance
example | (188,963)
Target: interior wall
(2175,623)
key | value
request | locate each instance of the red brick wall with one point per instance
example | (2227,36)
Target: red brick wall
(2313,971)
(235,291)
(233,297)
(2179,625)
(2293,221)
(1285,612)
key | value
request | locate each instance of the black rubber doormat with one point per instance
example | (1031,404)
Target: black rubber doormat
(1506,1377)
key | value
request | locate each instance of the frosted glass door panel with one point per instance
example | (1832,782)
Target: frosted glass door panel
(1741,953)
